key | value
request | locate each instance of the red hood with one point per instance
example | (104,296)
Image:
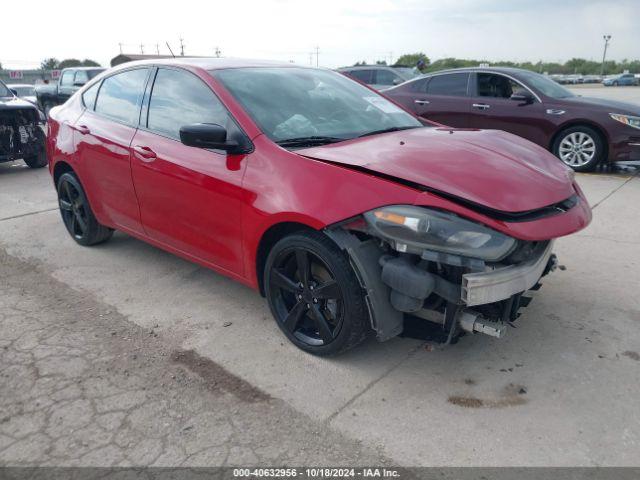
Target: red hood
(488,167)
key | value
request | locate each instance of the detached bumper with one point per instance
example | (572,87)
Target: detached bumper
(500,284)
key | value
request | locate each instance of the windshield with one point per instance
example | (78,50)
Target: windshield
(25,91)
(4,91)
(545,85)
(291,103)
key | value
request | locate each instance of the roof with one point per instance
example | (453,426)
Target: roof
(511,70)
(212,63)
(369,67)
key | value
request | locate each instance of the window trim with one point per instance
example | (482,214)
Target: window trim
(143,121)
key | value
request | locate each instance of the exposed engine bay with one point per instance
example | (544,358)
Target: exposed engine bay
(21,135)
(422,266)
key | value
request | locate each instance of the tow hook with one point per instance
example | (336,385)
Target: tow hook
(473,322)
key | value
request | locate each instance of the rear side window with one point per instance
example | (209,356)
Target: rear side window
(120,95)
(89,96)
(67,79)
(180,98)
(452,84)
(365,76)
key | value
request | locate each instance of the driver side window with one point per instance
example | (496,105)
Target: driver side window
(180,98)
(496,86)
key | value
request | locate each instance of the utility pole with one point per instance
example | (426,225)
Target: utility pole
(604,54)
(317,56)
(141,49)
(157,49)
(311,58)
(120,45)
(390,58)
(218,52)
(181,47)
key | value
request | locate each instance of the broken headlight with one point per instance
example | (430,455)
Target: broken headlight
(413,229)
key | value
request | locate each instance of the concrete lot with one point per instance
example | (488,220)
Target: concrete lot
(119,354)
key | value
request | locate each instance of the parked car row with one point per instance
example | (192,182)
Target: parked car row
(626,79)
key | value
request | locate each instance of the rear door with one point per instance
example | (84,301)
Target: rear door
(190,198)
(443,98)
(492,108)
(103,137)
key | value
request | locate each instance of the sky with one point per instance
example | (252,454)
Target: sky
(345,31)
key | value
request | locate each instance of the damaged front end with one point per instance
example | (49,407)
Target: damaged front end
(461,276)
(21,135)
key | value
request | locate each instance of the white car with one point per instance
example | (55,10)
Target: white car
(24,91)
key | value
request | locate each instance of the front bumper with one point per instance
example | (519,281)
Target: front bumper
(500,284)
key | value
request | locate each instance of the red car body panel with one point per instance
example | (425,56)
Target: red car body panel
(462,163)
(215,208)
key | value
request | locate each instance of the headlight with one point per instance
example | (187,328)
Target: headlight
(626,119)
(413,229)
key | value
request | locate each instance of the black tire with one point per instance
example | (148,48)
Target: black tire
(38,160)
(76,213)
(343,320)
(592,138)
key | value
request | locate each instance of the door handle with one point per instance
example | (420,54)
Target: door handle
(481,106)
(421,102)
(145,153)
(83,129)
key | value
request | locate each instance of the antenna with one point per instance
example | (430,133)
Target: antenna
(169,47)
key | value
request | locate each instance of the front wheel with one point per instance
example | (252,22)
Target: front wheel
(580,148)
(76,213)
(38,159)
(314,294)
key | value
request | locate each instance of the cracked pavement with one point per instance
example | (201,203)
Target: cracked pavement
(82,386)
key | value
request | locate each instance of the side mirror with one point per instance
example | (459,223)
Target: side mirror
(522,96)
(397,81)
(207,135)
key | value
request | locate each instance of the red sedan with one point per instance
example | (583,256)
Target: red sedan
(348,213)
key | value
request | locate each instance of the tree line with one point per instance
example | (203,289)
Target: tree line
(574,66)
(55,64)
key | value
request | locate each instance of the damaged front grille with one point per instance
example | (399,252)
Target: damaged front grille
(19,136)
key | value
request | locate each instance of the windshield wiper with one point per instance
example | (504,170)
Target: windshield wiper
(308,141)
(386,130)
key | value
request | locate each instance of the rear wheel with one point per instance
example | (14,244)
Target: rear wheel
(76,213)
(314,294)
(580,148)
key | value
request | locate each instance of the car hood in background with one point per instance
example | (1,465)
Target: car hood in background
(611,106)
(487,167)
(10,103)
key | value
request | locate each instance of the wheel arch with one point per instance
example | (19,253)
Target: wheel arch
(61,167)
(269,238)
(582,123)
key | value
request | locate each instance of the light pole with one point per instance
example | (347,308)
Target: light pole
(604,54)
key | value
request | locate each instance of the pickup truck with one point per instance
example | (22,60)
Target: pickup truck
(71,79)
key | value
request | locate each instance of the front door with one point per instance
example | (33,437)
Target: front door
(493,108)
(190,198)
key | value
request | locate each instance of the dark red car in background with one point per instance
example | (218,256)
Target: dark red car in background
(341,208)
(581,131)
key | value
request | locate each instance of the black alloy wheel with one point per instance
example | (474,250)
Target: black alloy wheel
(314,294)
(77,214)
